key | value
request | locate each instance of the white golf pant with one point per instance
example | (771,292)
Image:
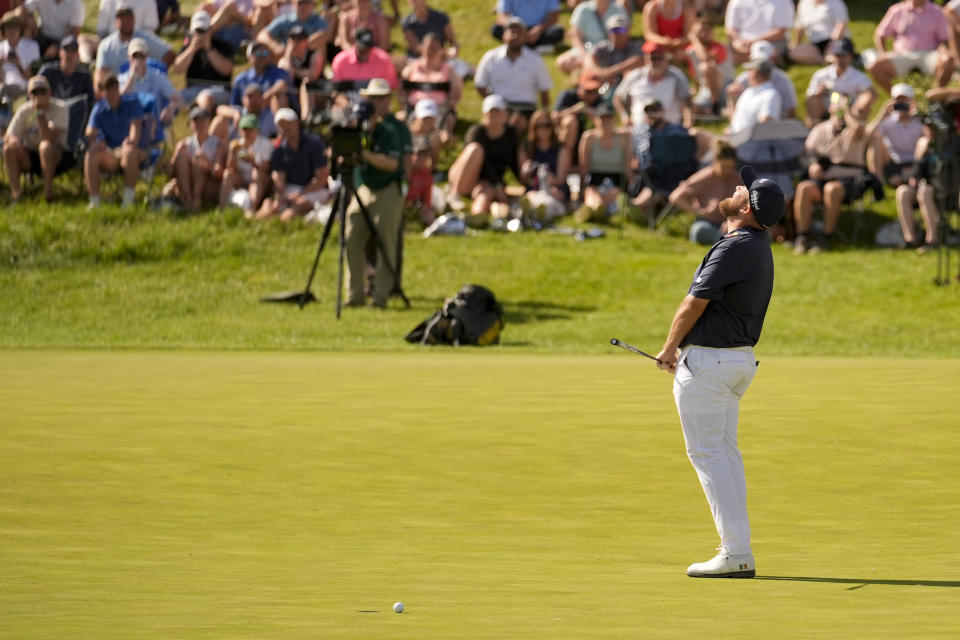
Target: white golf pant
(707,386)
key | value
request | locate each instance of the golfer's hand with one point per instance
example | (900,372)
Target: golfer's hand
(667,360)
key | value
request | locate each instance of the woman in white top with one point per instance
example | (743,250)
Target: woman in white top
(820,21)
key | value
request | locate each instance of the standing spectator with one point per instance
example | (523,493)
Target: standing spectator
(667,22)
(433,67)
(298,168)
(112,52)
(605,159)
(516,73)
(587,28)
(364,61)
(540,16)
(197,164)
(363,14)
(262,72)
(423,20)
(820,21)
(760,52)
(760,102)
(114,132)
(36,139)
(920,35)
(207,63)
(248,166)
(67,78)
(378,188)
(277,33)
(144,12)
(140,77)
(702,192)
(612,58)
(710,63)
(840,77)
(16,55)
(898,130)
(750,21)
(57,20)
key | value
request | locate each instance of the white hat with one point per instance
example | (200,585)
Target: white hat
(200,21)
(761,51)
(426,108)
(285,114)
(902,90)
(376,87)
(138,45)
(493,101)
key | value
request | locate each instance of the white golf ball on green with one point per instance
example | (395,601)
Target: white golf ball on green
(398,607)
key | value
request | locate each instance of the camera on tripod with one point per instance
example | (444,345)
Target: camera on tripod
(348,137)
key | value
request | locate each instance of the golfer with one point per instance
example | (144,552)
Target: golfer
(710,351)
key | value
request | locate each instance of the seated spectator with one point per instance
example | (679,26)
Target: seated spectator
(711,65)
(545,172)
(760,52)
(920,36)
(364,61)
(114,132)
(587,29)
(609,60)
(144,12)
(420,182)
(262,72)
(226,122)
(67,78)
(702,192)
(423,20)
(432,67)
(658,184)
(658,79)
(919,189)
(540,16)
(820,22)
(16,55)
(750,21)
(760,101)
(140,77)
(840,77)
(898,130)
(951,11)
(233,21)
(206,63)
(575,108)
(248,167)
(197,164)
(667,22)
(57,19)
(490,148)
(835,177)
(168,13)
(298,167)
(36,139)
(277,34)
(516,73)
(363,15)
(296,58)
(112,53)
(605,159)
(424,128)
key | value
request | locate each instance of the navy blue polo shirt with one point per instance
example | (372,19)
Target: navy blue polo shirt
(736,276)
(300,164)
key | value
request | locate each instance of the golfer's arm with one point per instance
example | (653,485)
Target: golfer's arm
(687,315)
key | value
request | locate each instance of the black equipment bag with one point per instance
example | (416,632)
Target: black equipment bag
(473,316)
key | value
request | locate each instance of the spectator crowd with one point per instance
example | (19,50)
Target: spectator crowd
(255,84)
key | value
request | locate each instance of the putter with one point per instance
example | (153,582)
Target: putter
(630,347)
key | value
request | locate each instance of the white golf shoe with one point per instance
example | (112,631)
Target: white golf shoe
(724,565)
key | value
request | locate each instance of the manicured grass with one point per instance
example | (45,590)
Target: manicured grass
(253,495)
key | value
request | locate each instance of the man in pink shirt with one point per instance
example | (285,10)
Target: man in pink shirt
(920,36)
(364,61)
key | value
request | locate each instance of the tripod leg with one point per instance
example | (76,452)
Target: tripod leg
(386,259)
(305,296)
(341,212)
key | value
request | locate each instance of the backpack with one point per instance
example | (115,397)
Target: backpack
(473,316)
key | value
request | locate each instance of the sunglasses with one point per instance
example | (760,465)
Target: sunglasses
(138,55)
(544,125)
(657,57)
(261,53)
(38,92)
(199,32)
(618,30)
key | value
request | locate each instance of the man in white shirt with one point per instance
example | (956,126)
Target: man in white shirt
(515,72)
(749,21)
(659,80)
(57,19)
(759,52)
(821,22)
(112,52)
(760,101)
(144,12)
(839,77)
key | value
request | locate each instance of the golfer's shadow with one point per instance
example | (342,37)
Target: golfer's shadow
(862,582)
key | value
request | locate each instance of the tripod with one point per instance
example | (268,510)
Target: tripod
(347,193)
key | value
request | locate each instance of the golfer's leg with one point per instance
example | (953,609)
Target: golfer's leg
(736,523)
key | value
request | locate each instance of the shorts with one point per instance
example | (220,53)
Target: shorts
(596,179)
(314,197)
(822,46)
(67,162)
(892,169)
(905,61)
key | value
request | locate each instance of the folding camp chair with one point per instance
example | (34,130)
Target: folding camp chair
(673,159)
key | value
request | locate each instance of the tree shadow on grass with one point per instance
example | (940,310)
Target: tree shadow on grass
(523,311)
(862,582)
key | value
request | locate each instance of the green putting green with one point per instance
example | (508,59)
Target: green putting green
(265,495)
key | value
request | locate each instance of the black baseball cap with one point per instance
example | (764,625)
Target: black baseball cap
(842,47)
(766,197)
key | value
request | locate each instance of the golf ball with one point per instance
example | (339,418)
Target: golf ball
(398,607)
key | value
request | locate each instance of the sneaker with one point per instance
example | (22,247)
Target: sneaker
(823,243)
(724,565)
(801,245)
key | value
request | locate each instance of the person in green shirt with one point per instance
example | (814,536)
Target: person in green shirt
(377,180)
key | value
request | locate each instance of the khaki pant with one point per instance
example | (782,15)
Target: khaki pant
(386,210)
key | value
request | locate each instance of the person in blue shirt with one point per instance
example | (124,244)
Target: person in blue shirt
(272,79)
(277,33)
(540,16)
(141,77)
(114,131)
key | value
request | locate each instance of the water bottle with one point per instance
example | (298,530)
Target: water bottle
(606,186)
(543,175)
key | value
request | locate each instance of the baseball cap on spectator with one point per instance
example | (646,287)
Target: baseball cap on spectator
(199,112)
(297,32)
(426,108)
(761,51)
(376,87)
(901,90)
(841,47)
(654,47)
(69,41)
(138,45)
(516,21)
(285,115)
(249,121)
(652,105)
(589,81)
(604,110)
(493,101)
(124,6)
(200,21)
(38,82)
(253,46)
(766,197)
(364,38)
(617,24)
